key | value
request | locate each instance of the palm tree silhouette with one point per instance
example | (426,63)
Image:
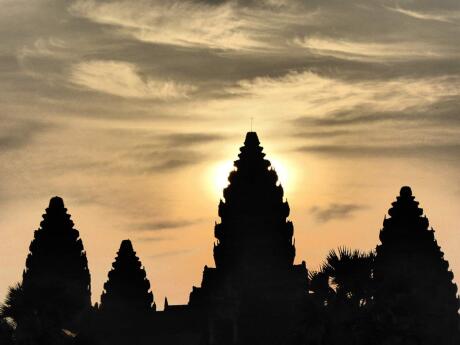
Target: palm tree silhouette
(350,275)
(6,332)
(342,290)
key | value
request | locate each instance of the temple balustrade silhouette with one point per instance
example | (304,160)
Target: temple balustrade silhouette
(403,293)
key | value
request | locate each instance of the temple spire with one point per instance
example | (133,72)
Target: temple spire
(127,289)
(254,251)
(251,139)
(253,212)
(56,279)
(414,292)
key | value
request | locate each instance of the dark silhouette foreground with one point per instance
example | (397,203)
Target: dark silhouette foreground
(401,294)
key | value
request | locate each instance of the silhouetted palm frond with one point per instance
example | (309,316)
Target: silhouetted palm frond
(15,304)
(6,332)
(350,273)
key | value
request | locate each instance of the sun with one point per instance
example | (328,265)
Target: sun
(221,170)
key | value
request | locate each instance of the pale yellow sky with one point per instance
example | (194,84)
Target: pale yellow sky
(133,112)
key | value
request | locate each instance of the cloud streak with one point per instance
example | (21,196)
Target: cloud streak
(368,51)
(16,134)
(163,153)
(163,225)
(415,150)
(446,17)
(334,211)
(122,79)
(182,23)
(315,95)
(170,253)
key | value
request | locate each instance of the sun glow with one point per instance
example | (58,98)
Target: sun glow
(282,171)
(220,175)
(221,170)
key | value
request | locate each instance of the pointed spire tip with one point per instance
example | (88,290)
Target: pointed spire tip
(126,245)
(56,202)
(405,191)
(251,139)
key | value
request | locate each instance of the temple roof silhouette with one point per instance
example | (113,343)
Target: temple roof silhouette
(127,287)
(254,253)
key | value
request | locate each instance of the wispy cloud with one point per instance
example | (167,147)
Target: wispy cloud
(321,134)
(49,46)
(175,159)
(165,225)
(153,239)
(368,51)
(15,134)
(445,16)
(163,153)
(318,96)
(436,114)
(123,79)
(182,23)
(377,151)
(187,139)
(171,253)
(334,211)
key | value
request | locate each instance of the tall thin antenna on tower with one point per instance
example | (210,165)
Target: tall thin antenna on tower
(251,122)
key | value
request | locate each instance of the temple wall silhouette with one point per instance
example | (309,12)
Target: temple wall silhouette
(400,294)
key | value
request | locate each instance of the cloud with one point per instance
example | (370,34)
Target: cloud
(182,23)
(444,16)
(318,96)
(313,134)
(163,153)
(418,117)
(334,211)
(44,47)
(153,239)
(15,134)
(123,79)
(165,225)
(415,150)
(181,159)
(180,139)
(171,253)
(159,159)
(368,51)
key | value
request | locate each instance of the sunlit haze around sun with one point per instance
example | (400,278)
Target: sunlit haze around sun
(220,173)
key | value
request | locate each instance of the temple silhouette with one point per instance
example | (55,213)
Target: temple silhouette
(400,294)
(255,277)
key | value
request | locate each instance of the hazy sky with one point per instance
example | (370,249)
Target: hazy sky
(133,110)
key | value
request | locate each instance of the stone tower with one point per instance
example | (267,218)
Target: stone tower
(56,280)
(253,293)
(127,291)
(415,297)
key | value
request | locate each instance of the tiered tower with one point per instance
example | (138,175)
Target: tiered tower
(56,281)
(415,297)
(254,289)
(127,289)
(126,302)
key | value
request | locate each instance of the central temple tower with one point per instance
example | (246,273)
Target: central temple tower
(254,292)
